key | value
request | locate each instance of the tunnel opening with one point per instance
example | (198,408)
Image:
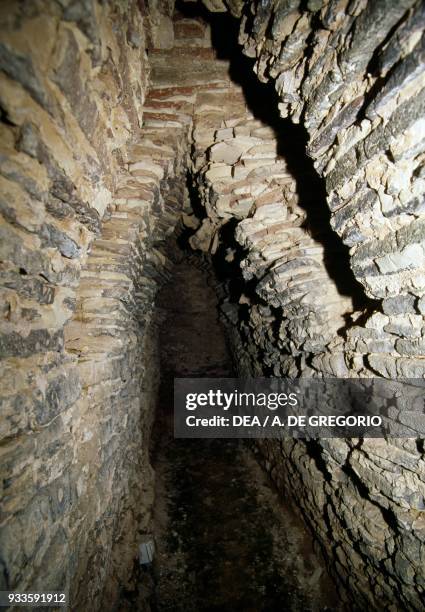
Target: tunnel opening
(225,539)
(214,502)
(214,499)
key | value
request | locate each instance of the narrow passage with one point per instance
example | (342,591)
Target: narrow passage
(225,540)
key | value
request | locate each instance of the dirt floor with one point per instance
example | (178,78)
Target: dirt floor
(224,539)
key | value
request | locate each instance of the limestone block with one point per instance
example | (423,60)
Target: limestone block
(225,152)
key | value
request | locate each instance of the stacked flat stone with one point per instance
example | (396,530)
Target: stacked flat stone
(352,73)
(246,179)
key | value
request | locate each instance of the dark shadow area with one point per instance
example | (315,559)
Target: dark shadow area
(225,542)
(262,100)
(227,261)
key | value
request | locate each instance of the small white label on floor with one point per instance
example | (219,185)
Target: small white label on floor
(146,552)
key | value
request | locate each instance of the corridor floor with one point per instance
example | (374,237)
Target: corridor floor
(225,540)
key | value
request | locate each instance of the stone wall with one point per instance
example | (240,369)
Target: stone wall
(329,253)
(91,191)
(93,168)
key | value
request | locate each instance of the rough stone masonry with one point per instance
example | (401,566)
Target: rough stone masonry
(105,107)
(352,75)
